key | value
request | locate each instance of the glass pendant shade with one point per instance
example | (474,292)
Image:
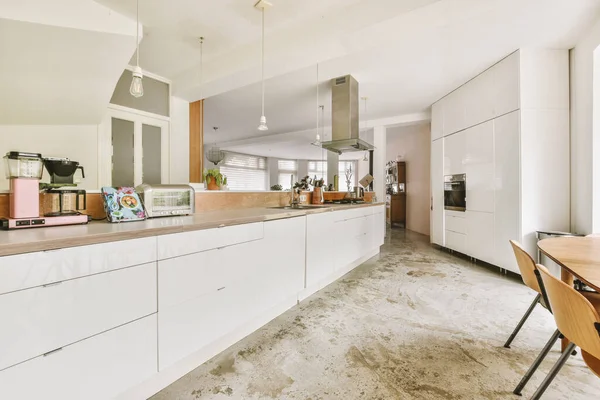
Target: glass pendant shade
(215,155)
(263,124)
(137,88)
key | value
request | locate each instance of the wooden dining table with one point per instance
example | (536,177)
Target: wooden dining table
(578,257)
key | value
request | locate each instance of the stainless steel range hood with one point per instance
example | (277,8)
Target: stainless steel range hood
(344,117)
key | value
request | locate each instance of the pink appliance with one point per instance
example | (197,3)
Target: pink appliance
(24,170)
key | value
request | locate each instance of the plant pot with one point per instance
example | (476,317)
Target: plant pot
(211,184)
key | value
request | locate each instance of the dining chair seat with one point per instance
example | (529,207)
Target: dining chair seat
(592,362)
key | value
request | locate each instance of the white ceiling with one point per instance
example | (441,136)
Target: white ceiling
(405,54)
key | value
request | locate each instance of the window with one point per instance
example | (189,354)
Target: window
(343,166)
(287,168)
(245,172)
(319,168)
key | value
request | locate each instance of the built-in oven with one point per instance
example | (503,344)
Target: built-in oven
(455,192)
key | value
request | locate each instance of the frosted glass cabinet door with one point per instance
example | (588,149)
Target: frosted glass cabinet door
(437,192)
(151,147)
(123,132)
(506,188)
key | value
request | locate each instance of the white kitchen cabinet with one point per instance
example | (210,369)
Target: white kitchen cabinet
(247,280)
(437,120)
(194,275)
(437,192)
(100,367)
(479,167)
(455,118)
(378,227)
(455,154)
(45,318)
(507,189)
(514,158)
(506,88)
(480,236)
(456,241)
(320,259)
(479,102)
(29,270)
(179,244)
(456,224)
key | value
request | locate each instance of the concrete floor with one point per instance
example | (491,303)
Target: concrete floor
(413,323)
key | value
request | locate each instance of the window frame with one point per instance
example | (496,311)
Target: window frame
(264,170)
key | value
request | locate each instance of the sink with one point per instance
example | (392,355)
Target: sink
(300,207)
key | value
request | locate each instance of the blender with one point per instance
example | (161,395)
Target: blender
(24,171)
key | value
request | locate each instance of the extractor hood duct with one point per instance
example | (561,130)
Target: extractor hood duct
(344,117)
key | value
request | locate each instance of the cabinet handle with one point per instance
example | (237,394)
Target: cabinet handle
(52,284)
(52,352)
(221,288)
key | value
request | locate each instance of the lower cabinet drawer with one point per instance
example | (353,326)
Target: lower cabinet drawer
(456,224)
(456,241)
(188,327)
(100,367)
(183,278)
(179,244)
(36,321)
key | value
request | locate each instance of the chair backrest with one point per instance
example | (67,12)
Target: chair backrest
(574,314)
(526,266)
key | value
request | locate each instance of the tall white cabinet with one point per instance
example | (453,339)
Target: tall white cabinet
(507,129)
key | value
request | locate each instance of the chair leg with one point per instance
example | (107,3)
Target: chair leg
(554,371)
(537,362)
(522,321)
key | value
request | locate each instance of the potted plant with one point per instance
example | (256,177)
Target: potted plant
(213,179)
(224,185)
(277,187)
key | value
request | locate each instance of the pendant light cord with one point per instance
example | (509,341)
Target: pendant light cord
(201,65)
(137,32)
(263,61)
(318,135)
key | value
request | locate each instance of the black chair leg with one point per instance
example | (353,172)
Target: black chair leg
(522,321)
(537,362)
(554,371)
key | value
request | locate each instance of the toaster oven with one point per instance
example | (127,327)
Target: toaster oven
(166,200)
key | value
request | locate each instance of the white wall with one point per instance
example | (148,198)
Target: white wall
(585,198)
(76,142)
(180,140)
(414,144)
(80,143)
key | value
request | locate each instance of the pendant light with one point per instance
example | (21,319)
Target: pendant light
(261,5)
(317,141)
(137,88)
(215,155)
(366,157)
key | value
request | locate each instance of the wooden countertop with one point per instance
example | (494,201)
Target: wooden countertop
(52,238)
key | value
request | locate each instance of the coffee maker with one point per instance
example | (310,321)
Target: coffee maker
(24,171)
(60,199)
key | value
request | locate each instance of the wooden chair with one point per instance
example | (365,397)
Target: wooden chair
(527,267)
(528,274)
(576,318)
